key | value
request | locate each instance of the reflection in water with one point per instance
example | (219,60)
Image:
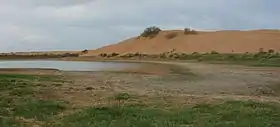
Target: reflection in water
(69,65)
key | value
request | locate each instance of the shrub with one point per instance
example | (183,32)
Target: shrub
(195,53)
(188,31)
(85,51)
(176,55)
(127,55)
(138,54)
(109,55)
(103,55)
(214,52)
(151,32)
(171,55)
(113,54)
(271,51)
(163,55)
(171,35)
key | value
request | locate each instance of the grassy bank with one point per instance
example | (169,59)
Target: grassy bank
(22,104)
(261,58)
(234,113)
(258,59)
(12,56)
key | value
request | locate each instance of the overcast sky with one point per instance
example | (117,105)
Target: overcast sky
(30,25)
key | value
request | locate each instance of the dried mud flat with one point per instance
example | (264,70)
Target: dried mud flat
(36,97)
(179,82)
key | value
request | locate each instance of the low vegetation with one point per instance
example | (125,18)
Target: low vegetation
(103,55)
(153,31)
(36,56)
(109,55)
(188,31)
(262,58)
(113,54)
(21,105)
(84,51)
(132,55)
(254,59)
(233,113)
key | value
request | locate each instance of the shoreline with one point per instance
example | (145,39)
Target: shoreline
(168,62)
(145,67)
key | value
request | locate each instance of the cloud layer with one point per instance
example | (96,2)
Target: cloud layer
(27,25)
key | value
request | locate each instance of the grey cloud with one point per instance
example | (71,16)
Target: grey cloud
(79,24)
(44,2)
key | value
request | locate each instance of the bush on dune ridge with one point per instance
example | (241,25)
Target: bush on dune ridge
(150,32)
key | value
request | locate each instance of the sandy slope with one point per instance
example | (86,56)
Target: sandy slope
(220,41)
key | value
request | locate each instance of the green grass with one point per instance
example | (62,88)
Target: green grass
(18,85)
(16,76)
(38,109)
(18,100)
(228,114)
(28,108)
(10,122)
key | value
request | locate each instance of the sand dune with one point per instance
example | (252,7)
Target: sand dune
(220,41)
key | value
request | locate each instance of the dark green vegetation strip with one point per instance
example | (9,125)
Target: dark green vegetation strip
(262,58)
(19,107)
(228,114)
(18,102)
(251,59)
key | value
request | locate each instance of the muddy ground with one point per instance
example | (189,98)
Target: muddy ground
(177,81)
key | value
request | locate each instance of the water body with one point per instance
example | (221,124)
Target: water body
(70,65)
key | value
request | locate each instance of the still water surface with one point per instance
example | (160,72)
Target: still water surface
(69,65)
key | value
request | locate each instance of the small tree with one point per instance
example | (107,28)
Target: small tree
(151,32)
(188,31)
(85,51)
